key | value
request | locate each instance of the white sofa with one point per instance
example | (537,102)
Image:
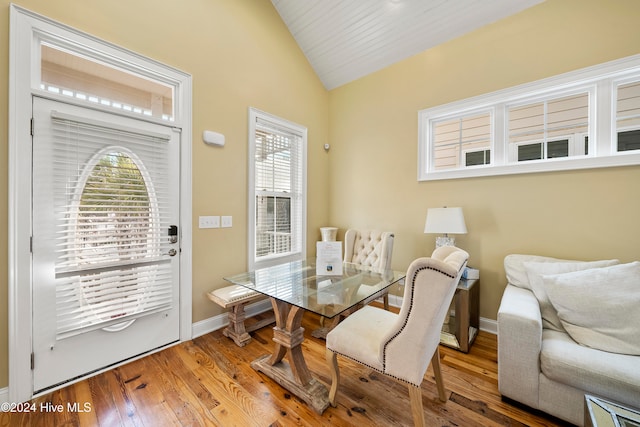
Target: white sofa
(541,365)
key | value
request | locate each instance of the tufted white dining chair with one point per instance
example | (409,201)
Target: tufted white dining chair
(401,345)
(371,248)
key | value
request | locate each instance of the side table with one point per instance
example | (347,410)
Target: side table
(461,327)
(602,413)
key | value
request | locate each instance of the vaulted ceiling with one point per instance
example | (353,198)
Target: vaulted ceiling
(348,39)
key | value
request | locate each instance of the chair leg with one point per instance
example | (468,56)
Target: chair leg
(435,361)
(415,394)
(332,360)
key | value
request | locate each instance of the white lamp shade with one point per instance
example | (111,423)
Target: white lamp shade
(445,221)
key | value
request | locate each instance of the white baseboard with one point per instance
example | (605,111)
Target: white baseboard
(489,325)
(220,321)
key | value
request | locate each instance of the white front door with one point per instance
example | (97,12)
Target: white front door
(105,242)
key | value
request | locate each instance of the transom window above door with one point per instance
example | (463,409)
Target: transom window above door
(84,79)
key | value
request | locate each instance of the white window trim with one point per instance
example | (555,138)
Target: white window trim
(26,28)
(600,81)
(254,114)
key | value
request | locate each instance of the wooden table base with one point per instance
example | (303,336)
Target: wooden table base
(293,373)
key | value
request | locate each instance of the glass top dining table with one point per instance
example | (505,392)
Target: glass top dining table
(297,283)
(295,288)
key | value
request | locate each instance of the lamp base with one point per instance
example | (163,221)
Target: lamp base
(445,241)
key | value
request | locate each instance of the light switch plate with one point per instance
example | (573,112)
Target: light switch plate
(209,222)
(227,221)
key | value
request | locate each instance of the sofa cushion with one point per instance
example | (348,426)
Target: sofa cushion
(535,272)
(599,307)
(516,273)
(598,372)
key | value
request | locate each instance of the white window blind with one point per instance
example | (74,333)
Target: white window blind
(110,232)
(278,189)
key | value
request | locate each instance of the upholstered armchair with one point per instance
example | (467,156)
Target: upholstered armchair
(401,345)
(371,248)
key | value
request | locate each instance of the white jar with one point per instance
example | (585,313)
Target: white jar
(328,234)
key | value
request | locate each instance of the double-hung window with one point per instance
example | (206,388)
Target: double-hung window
(277,190)
(587,118)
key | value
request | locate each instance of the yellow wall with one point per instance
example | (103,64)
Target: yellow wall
(589,214)
(240,54)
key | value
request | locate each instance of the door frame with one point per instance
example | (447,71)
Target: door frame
(24,29)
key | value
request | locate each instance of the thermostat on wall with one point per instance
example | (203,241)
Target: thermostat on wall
(213,138)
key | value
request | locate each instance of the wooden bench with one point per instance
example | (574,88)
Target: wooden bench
(236,297)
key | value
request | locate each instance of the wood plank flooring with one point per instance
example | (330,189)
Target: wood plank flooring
(208,382)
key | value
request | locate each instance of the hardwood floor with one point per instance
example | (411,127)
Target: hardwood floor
(208,381)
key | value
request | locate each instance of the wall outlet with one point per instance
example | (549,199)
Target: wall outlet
(227,221)
(209,222)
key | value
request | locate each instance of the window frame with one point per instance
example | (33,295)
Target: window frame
(553,95)
(470,114)
(601,81)
(300,234)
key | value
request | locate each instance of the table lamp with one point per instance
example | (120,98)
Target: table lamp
(446,221)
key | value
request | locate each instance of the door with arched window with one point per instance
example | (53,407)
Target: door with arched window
(105,241)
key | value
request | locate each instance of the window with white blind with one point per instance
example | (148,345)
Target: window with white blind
(277,190)
(583,119)
(108,242)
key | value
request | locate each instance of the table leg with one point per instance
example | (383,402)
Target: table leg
(281,312)
(322,332)
(288,335)
(462,320)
